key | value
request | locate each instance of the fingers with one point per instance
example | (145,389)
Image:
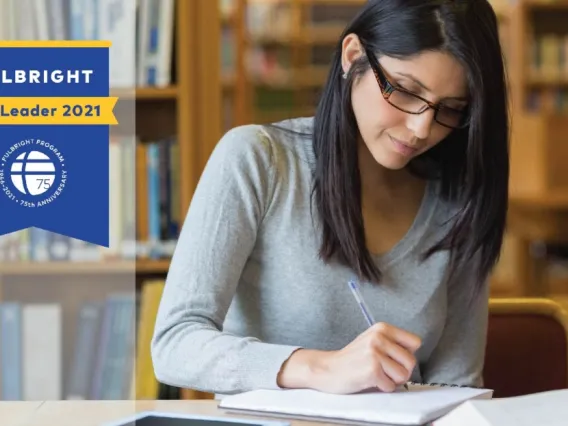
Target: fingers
(383,382)
(395,354)
(398,354)
(394,371)
(389,352)
(404,338)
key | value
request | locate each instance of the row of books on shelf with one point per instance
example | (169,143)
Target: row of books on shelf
(144,210)
(113,20)
(269,18)
(148,298)
(227,8)
(40,246)
(555,100)
(102,353)
(278,18)
(122,198)
(157,197)
(33,341)
(144,198)
(155,44)
(141,32)
(549,56)
(271,25)
(269,61)
(274,66)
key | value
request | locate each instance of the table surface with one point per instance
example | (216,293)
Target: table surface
(95,413)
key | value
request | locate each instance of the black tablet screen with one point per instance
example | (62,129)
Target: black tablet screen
(152,420)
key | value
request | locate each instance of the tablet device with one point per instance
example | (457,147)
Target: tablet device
(156,418)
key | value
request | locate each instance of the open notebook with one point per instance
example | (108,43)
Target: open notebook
(544,408)
(418,405)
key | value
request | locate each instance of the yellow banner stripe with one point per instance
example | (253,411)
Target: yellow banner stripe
(56,43)
(65,110)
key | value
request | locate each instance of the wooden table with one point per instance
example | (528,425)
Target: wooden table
(95,413)
(536,218)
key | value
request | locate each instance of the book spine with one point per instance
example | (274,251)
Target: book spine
(10,352)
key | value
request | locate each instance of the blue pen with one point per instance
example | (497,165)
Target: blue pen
(364,309)
(359,298)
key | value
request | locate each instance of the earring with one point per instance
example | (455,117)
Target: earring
(344,76)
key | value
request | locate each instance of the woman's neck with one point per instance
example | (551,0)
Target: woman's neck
(376,178)
(379,184)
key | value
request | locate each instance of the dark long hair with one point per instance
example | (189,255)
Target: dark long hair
(472,164)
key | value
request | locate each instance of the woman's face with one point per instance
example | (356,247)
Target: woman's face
(394,137)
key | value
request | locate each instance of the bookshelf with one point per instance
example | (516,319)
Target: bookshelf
(186,108)
(59,289)
(232,17)
(540,49)
(538,74)
(287,46)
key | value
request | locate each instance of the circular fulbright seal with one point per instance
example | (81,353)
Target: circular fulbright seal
(32,173)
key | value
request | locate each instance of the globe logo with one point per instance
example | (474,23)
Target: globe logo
(33,173)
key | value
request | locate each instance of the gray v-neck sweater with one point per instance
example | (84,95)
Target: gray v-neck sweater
(246,286)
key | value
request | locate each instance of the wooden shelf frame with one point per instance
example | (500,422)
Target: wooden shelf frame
(118,266)
(197,96)
(523,79)
(147,93)
(544,4)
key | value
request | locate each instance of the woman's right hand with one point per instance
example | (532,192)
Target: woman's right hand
(381,357)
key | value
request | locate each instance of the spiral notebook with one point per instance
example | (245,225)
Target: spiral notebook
(418,405)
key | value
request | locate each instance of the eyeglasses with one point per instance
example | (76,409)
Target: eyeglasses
(411,103)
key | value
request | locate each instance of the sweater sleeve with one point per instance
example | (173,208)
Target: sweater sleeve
(460,353)
(189,348)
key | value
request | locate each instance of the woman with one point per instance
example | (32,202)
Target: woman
(399,181)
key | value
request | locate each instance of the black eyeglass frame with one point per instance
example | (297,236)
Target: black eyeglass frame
(388,88)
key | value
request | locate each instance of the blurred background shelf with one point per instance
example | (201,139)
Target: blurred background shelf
(140,266)
(64,268)
(553,5)
(143,93)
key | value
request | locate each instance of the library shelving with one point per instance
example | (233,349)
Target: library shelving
(85,307)
(232,17)
(184,110)
(282,50)
(539,88)
(539,83)
(541,50)
(288,45)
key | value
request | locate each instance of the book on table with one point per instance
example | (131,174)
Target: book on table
(418,405)
(543,408)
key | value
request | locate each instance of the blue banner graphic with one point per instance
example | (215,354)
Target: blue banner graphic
(55,112)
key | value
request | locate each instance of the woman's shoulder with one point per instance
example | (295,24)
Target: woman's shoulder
(265,143)
(243,140)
